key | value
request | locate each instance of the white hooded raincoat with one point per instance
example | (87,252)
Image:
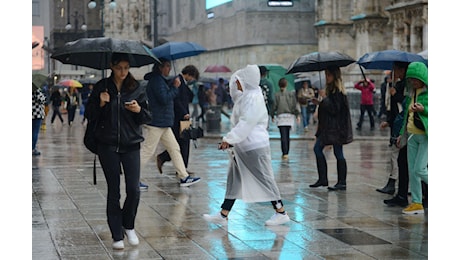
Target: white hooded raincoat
(250,174)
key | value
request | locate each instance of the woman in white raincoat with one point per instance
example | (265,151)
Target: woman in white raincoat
(250,174)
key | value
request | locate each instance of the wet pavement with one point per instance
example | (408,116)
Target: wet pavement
(69,220)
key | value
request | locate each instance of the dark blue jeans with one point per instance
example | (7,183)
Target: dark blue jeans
(305,116)
(111,162)
(36,124)
(319,147)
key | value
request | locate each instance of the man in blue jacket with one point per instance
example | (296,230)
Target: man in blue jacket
(161,102)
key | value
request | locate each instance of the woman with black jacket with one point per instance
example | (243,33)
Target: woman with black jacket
(119,104)
(334,128)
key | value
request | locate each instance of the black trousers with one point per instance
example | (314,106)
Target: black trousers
(56,112)
(112,162)
(285,139)
(403,173)
(370,113)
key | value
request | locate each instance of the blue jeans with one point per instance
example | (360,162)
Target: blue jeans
(36,124)
(318,149)
(305,115)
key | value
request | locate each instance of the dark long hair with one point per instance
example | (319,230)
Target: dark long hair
(130,82)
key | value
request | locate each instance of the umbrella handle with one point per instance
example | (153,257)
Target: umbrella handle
(362,72)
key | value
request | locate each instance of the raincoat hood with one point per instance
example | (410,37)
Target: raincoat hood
(249,117)
(418,70)
(233,88)
(249,77)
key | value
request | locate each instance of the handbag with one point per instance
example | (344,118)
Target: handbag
(192,133)
(89,138)
(417,121)
(302,100)
(184,124)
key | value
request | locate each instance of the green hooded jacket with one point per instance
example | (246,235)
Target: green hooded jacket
(419,71)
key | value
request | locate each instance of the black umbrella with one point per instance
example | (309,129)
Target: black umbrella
(318,61)
(96,53)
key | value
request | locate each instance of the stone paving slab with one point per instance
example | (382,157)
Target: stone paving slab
(68,211)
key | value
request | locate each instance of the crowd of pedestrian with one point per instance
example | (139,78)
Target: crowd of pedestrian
(134,119)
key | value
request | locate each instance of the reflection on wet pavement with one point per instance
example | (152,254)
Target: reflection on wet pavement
(69,222)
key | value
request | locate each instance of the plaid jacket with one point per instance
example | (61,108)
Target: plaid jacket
(38,105)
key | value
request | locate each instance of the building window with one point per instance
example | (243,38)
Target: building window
(35,8)
(192,10)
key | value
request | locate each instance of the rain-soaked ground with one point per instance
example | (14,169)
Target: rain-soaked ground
(69,220)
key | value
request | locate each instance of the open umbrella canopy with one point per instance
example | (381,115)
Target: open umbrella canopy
(275,72)
(383,60)
(38,80)
(178,50)
(217,68)
(96,53)
(318,61)
(71,83)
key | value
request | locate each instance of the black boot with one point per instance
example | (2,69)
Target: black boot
(425,194)
(397,200)
(342,176)
(389,188)
(321,165)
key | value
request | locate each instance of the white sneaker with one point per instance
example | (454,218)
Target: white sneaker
(132,237)
(217,218)
(277,219)
(118,245)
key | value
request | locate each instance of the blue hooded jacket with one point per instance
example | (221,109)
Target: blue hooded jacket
(161,99)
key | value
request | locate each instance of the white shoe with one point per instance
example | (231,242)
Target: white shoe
(132,237)
(217,218)
(118,245)
(277,219)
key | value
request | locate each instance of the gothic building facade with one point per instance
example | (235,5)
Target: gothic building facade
(241,32)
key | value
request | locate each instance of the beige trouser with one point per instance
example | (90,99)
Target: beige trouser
(165,135)
(393,167)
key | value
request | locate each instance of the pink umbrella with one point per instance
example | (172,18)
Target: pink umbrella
(217,68)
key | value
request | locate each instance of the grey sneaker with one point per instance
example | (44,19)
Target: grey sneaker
(278,219)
